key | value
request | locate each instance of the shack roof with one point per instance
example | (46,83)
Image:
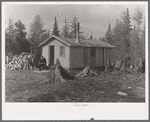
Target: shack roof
(83,42)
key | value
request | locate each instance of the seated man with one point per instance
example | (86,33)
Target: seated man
(42,63)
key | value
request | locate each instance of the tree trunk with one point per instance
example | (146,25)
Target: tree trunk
(61,74)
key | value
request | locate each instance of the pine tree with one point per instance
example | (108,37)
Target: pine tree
(48,32)
(116,54)
(138,17)
(36,30)
(55,28)
(46,35)
(10,38)
(109,28)
(126,37)
(108,35)
(74,27)
(65,31)
(134,43)
(20,31)
(20,35)
(91,36)
(126,32)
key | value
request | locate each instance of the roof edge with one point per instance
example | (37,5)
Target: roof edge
(56,37)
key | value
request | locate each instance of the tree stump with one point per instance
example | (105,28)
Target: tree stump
(139,65)
(118,65)
(61,74)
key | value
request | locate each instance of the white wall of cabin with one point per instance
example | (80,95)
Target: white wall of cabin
(65,62)
(45,50)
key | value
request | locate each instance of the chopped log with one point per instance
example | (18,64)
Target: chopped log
(122,93)
(87,72)
(61,74)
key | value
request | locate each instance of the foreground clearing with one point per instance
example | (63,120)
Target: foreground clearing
(29,86)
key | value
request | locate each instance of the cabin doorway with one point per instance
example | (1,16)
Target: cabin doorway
(92,55)
(51,55)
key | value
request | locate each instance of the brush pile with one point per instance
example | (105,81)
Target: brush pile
(21,61)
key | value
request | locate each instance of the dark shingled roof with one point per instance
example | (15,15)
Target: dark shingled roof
(83,42)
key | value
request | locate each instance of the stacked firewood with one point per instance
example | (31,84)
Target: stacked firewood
(21,61)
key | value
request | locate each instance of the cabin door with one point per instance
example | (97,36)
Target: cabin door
(92,56)
(92,61)
(51,55)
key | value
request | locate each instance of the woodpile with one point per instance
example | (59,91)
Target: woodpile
(21,61)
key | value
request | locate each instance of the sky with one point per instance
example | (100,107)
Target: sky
(93,18)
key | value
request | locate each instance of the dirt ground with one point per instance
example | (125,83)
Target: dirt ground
(29,86)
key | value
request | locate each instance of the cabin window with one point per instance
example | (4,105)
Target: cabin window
(62,51)
(93,51)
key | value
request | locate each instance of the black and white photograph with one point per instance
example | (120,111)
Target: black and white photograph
(75,54)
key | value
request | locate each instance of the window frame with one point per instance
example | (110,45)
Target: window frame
(62,51)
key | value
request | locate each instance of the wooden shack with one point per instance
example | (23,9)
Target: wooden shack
(76,53)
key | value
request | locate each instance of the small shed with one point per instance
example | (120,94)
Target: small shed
(76,55)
